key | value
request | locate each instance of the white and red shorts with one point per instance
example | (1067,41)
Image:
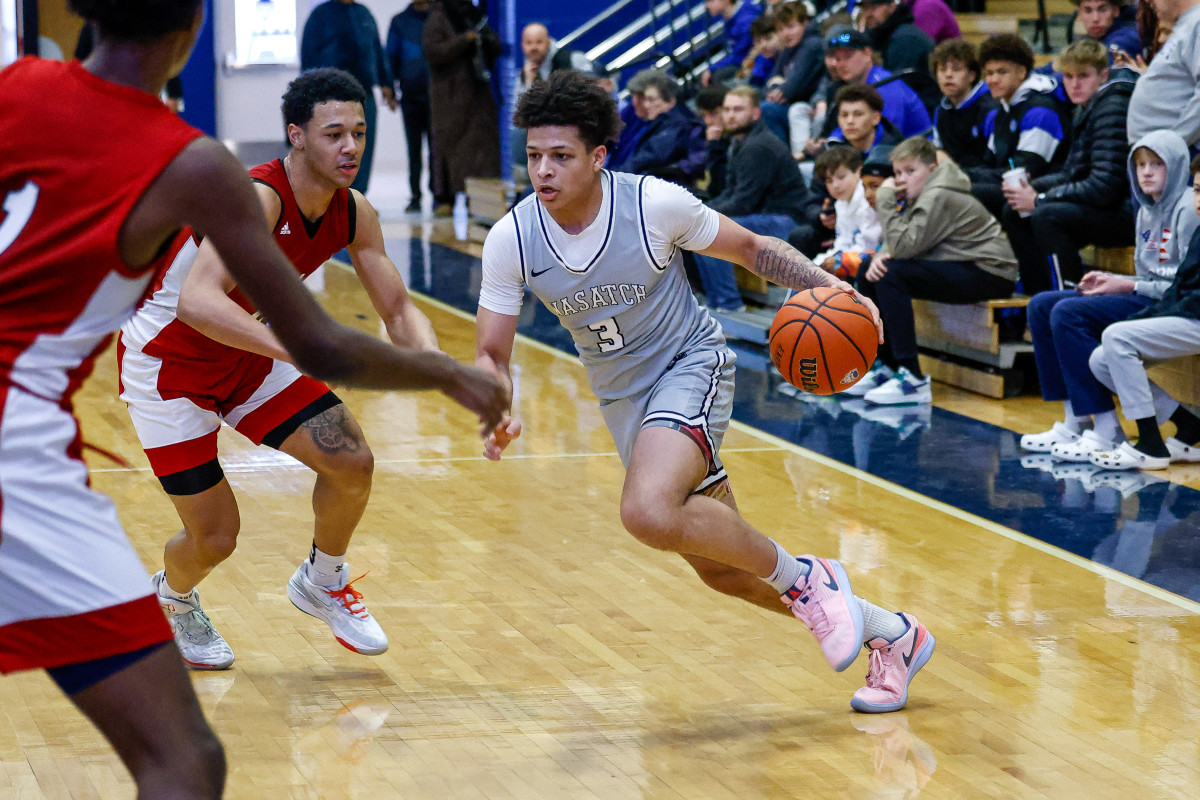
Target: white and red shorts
(177,405)
(72,589)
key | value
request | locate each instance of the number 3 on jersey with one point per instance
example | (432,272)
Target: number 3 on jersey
(18,208)
(609,334)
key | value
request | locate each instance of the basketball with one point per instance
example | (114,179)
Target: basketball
(823,340)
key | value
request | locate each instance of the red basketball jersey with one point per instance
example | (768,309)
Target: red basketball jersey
(158,332)
(76,153)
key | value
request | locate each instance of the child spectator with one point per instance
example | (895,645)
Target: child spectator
(958,119)
(939,243)
(760,61)
(1167,328)
(1067,325)
(736,16)
(857,233)
(876,169)
(1087,201)
(1028,130)
(799,67)
(709,102)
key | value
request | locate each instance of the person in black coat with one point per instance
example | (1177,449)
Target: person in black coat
(1087,201)
(902,45)
(671,145)
(411,73)
(958,118)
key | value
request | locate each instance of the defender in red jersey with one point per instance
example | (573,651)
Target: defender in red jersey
(85,215)
(180,384)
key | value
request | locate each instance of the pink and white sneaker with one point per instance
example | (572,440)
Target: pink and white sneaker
(893,666)
(822,600)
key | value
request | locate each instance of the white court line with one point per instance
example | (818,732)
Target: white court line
(1107,573)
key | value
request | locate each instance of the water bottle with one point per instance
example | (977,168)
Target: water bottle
(460,216)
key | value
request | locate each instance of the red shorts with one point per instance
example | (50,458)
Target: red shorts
(177,406)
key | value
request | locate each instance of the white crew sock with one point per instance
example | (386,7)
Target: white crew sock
(788,570)
(324,570)
(1108,427)
(165,590)
(1072,422)
(880,623)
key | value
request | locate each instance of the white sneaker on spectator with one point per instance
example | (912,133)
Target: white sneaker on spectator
(1044,441)
(903,388)
(877,376)
(1082,448)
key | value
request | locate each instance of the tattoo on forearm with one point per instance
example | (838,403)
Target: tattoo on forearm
(783,264)
(331,433)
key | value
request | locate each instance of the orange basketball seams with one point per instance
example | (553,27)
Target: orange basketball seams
(823,340)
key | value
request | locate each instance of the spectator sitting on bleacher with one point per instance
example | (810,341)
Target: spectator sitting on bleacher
(1168,94)
(902,45)
(862,128)
(709,103)
(939,243)
(966,102)
(671,145)
(1087,201)
(1110,22)
(1028,130)
(1168,328)
(935,18)
(861,123)
(737,16)
(1066,325)
(763,191)
(876,169)
(760,61)
(858,233)
(798,69)
(854,62)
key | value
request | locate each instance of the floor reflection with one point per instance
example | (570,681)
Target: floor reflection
(1135,522)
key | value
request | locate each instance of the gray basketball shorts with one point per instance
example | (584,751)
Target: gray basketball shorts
(694,396)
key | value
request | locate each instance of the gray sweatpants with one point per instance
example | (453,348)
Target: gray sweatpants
(1126,347)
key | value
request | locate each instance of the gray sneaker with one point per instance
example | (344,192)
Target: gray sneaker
(341,609)
(198,641)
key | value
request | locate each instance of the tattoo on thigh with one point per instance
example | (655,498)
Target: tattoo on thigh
(331,432)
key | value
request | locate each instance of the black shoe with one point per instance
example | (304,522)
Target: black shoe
(413,208)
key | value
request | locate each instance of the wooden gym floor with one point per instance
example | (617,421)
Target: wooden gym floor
(537,651)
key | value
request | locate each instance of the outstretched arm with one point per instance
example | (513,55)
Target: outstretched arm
(320,346)
(407,325)
(778,262)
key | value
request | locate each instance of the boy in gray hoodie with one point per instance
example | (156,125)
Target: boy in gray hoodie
(1067,325)
(939,243)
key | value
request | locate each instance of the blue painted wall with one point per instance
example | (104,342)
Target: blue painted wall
(199,80)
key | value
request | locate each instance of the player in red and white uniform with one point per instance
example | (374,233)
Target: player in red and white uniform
(180,384)
(94,186)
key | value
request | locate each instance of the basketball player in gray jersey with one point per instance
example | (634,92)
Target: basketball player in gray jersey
(602,251)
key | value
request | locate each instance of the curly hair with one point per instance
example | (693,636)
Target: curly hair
(959,50)
(319,86)
(1006,47)
(570,98)
(137,20)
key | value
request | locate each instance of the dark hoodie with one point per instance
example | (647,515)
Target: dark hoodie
(901,43)
(802,66)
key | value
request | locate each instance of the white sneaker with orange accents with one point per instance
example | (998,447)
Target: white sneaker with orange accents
(341,608)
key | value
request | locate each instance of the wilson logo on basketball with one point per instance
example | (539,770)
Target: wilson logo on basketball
(808,375)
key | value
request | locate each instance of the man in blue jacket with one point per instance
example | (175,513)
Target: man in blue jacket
(853,61)
(671,144)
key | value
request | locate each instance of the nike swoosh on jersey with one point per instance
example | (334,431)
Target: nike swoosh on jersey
(543,272)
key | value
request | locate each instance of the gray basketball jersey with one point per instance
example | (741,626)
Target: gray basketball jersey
(630,317)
